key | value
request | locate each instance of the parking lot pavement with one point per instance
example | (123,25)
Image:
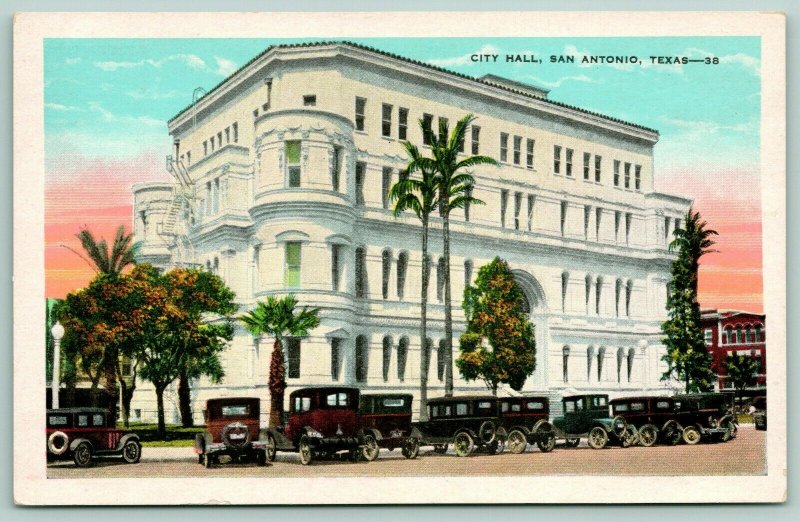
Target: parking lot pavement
(168,454)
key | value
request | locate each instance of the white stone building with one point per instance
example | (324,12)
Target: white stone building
(281,174)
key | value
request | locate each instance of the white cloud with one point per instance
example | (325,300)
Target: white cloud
(750,63)
(465,59)
(704,127)
(557,83)
(147,94)
(110,117)
(60,107)
(190,60)
(225,67)
(72,61)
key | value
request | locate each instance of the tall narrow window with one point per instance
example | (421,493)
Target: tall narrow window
(387,357)
(588,283)
(386,185)
(601,355)
(205,148)
(461,141)
(628,222)
(402,356)
(386,120)
(292,265)
(427,129)
(361,107)
(565,363)
(402,123)
(587,214)
(188,157)
(402,268)
(557,159)
(336,167)
(362,358)
(631,354)
(517,208)
(616,173)
(212,143)
(569,162)
(531,202)
(598,217)
(386,260)
(589,358)
(336,269)
(443,128)
(467,273)
(598,295)
(587,159)
(617,296)
(564,206)
(617,220)
(598,162)
(564,288)
(476,139)
(361,172)
(440,279)
(219,139)
(236,132)
(628,295)
(503,146)
(293,163)
(637,179)
(529,156)
(269,95)
(227,135)
(293,355)
(336,358)
(620,357)
(216,196)
(517,150)
(361,272)
(627,175)
(503,205)
(441,361)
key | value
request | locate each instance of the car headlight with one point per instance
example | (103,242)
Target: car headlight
(311,432)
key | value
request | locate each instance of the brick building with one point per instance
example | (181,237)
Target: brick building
(733,332)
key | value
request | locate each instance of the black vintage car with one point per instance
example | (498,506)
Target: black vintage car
(587,416)
(706,416)
(655,418)
(527,421)
(470,423)
(385,418)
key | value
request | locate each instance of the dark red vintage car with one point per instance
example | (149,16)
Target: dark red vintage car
(706,416)
(654,418)
(232,430)
(526,420)
(85,433)
(385,418)
(322,422)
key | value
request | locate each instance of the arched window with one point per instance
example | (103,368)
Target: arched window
(628,294)
(387,357)
(387,270)
(525,305)
(565,363)
(588,282)
(361,272)
(467,273)
(440,360)
(748,334)
(739,334)
(589,359)
(362,358)
(564,286)
(620,357)
(760,334)
(598,294)
(601,355)
(631,355)
(402,355)
(440,279)
(617,296)
(402,268)
(728,335)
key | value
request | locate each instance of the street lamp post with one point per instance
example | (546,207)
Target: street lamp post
(55,382)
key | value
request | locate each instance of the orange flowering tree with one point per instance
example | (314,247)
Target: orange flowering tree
(499,344)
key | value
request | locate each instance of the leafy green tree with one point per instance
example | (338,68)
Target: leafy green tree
(455,184)
(741,371)
(687,358)
(278,318)
(499,345)
(419,194)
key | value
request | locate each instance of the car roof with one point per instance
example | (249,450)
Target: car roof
(573,397)
(231,400)
(463,398)
(386,395)
(323,389)
(638,398)
(78,410)
(526,398)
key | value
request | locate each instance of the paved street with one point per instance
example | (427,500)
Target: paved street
(743,456)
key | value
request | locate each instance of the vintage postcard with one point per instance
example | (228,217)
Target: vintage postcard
(398,258)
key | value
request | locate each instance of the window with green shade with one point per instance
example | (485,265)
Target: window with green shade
(292,276)
(293,163)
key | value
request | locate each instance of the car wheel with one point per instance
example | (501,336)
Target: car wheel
(572,442)
(671,433)
(371,448)
(305,452)
(630,437)
(517,442)
(487,432)
(598,438)
(648,435)
(411,448)
(261,458)
(132,452)
(58,443)
(209,461)
(500,440)
(83,455)
(547,445)
(272,448)
(463,444)
(619,426)
(691,435)
(441,449)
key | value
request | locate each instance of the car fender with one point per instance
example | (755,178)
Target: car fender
(76,441)
(471,433)
(372,431)
(415,433)
(125,438)
(281,440)
(543,426)
(727,418)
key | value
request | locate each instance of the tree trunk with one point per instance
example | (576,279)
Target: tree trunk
(423,351)
(110,362)
(127,394)
(277,384)
(162,425)
(185,400)
(448,311)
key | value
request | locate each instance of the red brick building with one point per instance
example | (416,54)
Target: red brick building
(733,332)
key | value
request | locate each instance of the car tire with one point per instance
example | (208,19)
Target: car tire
(304,450)
(82,455)
(463,444)
(487,432)
(547,445)
(671,433)
(619,426)
(517,441)
(691,435)
(598,438)
(572,442)
(58,443)
(648,434)
(411,448)
(500,441)
(272,448)
(370,449)
(132,451)
(261,458)
(208,461)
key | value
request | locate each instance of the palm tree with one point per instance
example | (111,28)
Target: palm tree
(123,251)
(279,319)
(419,195)
(455,191)
(693,241)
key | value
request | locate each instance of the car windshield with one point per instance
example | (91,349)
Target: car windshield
(394,403)
(302,404)
(235,410)
(535,405)
(620,407)
(637,406)
(338,399)
(58,420)
(663,405)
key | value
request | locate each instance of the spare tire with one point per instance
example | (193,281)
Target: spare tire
(236,434)
(58,443)
(487,432)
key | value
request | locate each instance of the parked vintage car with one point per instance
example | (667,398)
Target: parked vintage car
(232,429)
(759,408)
(527,421)
(587,416)
(322,422)
(384,419)
(706,416)
(654,418)
(83,434)
(470,423)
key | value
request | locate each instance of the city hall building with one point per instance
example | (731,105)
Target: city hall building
(281,175)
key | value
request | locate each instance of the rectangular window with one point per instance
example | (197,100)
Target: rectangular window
(336,253)
(310,100)
(627,175)
(386,185)
(212,143)
(617,219)
(531,200)
(336,167)
(637,180)
(269,94)
(628,222)
(227,135)
(205,148)
(587,159)
(569,162)
(402,123)
(188,157)
(708,336)
(503,146)
(442,129)
(476,135)
(598,160)
(361,171)
(361,106)
(517,208)
(557,159)
(564,207)
(587,213)
(219,138)
(503,205)
(293,163)
(517,150)
(386,120)
(293,353)
(235,132)
(427,129)
(616,173)
(529,158)
(336,357)
(361,272)
(215,203)
(292,265)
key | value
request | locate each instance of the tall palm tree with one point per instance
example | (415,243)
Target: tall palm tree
(693,241)
(455,185)
(123,251)
(419,195)
(279,319)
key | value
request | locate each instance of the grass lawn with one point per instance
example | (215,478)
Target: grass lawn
(177,436)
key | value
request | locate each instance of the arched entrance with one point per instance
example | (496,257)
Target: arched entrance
(535,305)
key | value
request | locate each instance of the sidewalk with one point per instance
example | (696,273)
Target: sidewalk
(168,454)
